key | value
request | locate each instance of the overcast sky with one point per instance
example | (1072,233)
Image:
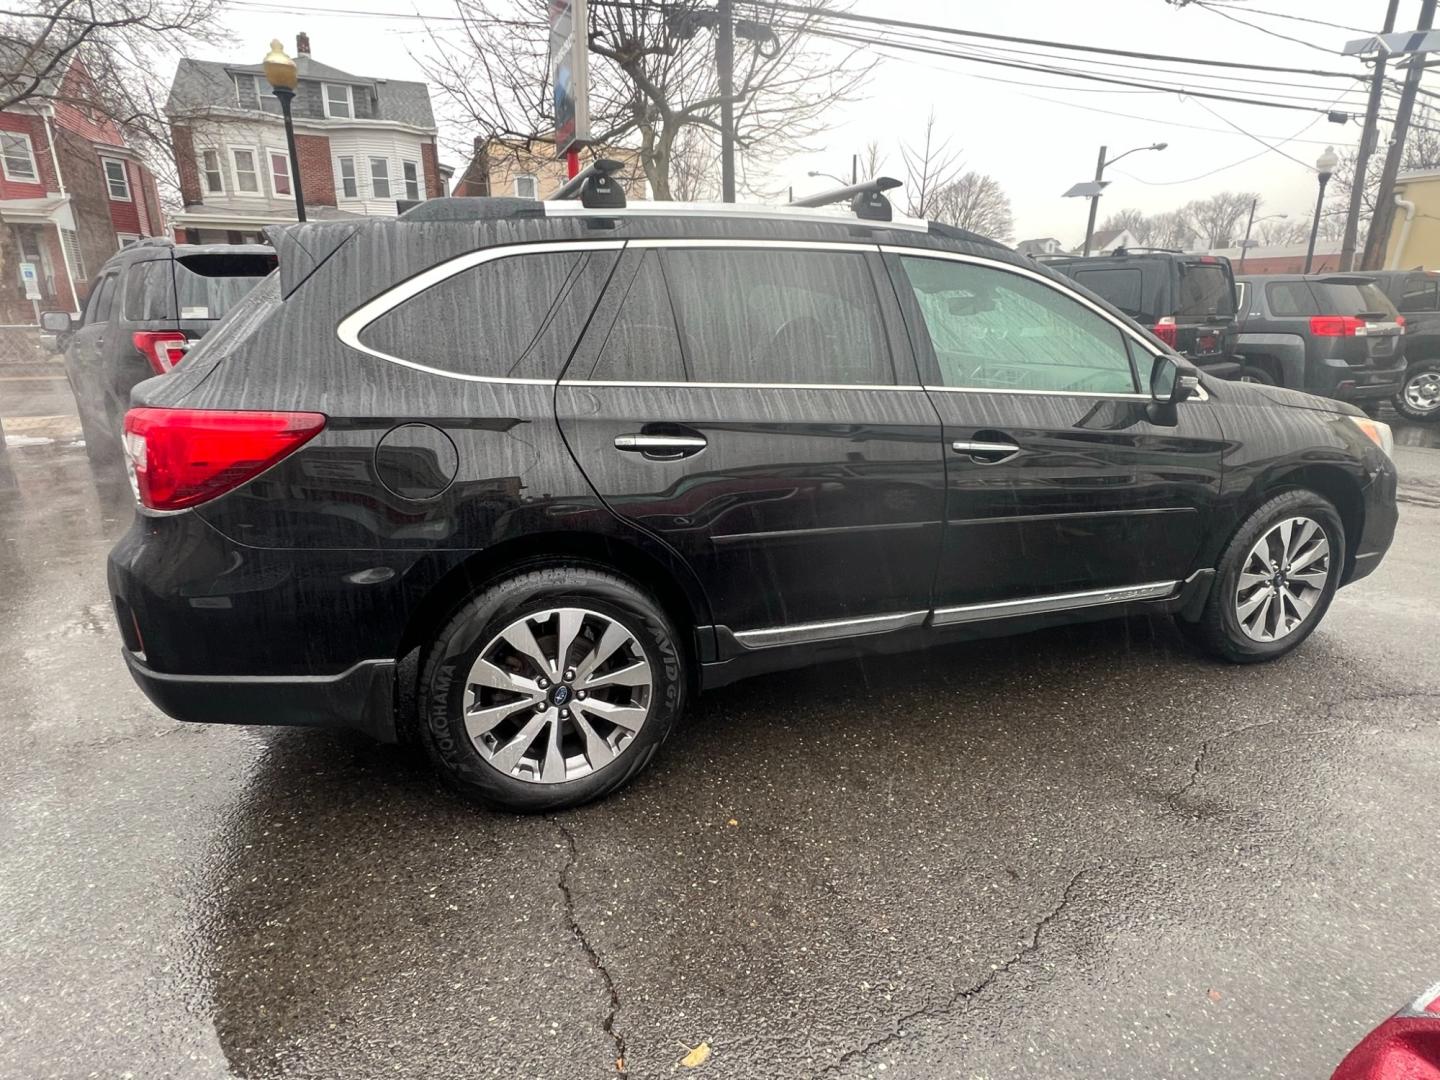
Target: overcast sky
(1037,137)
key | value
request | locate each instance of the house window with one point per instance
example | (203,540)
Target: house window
(279,172)
(18,157)
(526,187)
(117,180)
(379,178)
(126,239)
(251,93)
(213,174)
(412,179)
(71,239)
(247,176)
(349,186)
(339,102)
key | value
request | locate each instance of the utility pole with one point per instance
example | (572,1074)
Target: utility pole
(725,60)
(1367,147)
(855,169)
(1250,224)
(1379,237)
(1095,199)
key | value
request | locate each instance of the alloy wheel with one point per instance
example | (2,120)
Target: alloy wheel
(557,695)
(1422,391)
(1282,579)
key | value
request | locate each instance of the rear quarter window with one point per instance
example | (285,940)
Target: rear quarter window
(1290,298)
(1122,286)
(149,293)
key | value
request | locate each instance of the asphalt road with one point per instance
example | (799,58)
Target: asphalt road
(1082,853)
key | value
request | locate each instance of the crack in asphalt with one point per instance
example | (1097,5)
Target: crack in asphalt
(563,883)
(1026,950)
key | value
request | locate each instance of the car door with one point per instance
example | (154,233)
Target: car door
(739,400)
(1061,478)
(84,354)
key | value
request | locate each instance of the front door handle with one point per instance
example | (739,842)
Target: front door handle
(661,447)
(983,451)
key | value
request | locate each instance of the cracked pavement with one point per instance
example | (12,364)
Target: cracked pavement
(1085,852)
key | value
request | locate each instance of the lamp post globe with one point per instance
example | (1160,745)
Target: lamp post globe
(1324,167)
(282,75)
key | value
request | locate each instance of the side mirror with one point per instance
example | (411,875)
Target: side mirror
(1172,380)
(56,322)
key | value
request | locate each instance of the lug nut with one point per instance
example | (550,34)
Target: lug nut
(569,674)
(564,714)
(543,683)
(582,694)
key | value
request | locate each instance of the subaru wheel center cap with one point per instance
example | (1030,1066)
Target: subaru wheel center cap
(560,695)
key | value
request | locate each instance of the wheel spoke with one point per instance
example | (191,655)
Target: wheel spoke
(1249,580)
(1301,537)
(1313,578)
(614,637)
(482,721)
(570,621)
(597,750)
(509,755)
(552,769)
(1249,606)
(484,673)
(1286,528)
(1305,558)
(1260,622)
(522,639)
(1300,602)
(636,674)
(629,717)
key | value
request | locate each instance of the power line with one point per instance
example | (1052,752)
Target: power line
(1263,29)
(1286,15)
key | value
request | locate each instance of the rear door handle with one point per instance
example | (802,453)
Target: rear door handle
(661,447)
(987,452)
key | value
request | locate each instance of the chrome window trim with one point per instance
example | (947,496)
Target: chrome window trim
(1037,605)
(804,633)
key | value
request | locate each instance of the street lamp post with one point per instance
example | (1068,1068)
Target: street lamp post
(820,172)
(1100,165)
(1324,166)
(280,73)
(1250,224)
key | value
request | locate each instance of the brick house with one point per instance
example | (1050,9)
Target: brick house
(531,170)
(363,144)
(72,193)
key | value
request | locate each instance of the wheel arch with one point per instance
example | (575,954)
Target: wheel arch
(1333,482)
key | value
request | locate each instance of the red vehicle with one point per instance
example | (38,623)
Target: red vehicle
(1404,1047)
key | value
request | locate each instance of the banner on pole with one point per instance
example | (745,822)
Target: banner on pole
(570,73)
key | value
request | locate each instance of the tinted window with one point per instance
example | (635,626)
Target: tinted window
(149,292)
(1346,298)
(101,300)
(642,345)
(515,317)
(1121,286)
(1204,290)
(1290,298)
(768,316)
(207,286)
(996,330)
(1422,293)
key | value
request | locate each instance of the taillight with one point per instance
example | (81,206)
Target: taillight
(163,348)
(1336,326)
(182,457)
(1400,322)
(1167,331)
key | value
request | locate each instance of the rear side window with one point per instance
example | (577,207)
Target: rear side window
(149,292)
(1422,293)
(643,345)
(1328,298)
(1290,298)
(1204,290)
(1121,286)
(767,316)
(208,285)
(513,317)
(101,300)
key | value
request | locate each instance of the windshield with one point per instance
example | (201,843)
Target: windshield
(1364,298)
(1205,289)
(208,285)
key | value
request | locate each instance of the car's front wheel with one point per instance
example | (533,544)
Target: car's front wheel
(1275,580)
(550,688)
(1419,398)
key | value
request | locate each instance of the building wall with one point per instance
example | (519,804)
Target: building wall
(316,173)
(125,213)
(395,147)
(187,163)
(1422,243)
(505,165)
(34,127)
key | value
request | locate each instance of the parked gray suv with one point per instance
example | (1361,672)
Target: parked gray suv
(1334,335)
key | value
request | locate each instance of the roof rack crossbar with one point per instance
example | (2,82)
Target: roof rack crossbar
(867,199)
(595,185)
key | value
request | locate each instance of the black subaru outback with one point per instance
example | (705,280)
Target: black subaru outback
(518,479)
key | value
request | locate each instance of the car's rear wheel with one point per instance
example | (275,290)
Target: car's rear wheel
(1252,374)
(550,688)
(1419,398)
(1275,580)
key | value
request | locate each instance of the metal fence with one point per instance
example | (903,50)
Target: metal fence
(22,344)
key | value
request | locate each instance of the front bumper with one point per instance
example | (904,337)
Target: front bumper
(1382,514)
(361,698)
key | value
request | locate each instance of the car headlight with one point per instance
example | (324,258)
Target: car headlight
(1378,433)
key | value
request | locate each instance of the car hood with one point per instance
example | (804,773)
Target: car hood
(1266,396)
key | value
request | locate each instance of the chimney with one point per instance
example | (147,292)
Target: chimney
(302,43)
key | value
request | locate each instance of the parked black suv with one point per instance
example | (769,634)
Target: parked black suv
(1187,301)
(517,479)
(1416,294)
(1336,335)
(147,306)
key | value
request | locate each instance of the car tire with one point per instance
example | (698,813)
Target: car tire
(1419,398)
(494,720)
(1238,622)
(1252,374)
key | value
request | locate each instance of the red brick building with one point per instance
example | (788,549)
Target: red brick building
(72,193)
(363,144)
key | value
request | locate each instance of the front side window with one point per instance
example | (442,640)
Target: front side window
(117,180)
(101,300)
(769,316)
(210,169)
(279,172)
(18,157)
(995,330)
(247,173)
(412,179)
(380,178)
(339,102)
(349,185)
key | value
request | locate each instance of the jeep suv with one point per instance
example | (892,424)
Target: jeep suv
(147,305)
(516,479)
(1187,301)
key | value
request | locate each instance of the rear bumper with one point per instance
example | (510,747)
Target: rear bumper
(361,698)
(1340,381)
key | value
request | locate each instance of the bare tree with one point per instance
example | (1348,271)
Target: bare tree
(1136,222)
(1280,232)
(1171,230)
(929,167)
(1213,221)
(872,160)
(695,165)
(976,202)
(652,77)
